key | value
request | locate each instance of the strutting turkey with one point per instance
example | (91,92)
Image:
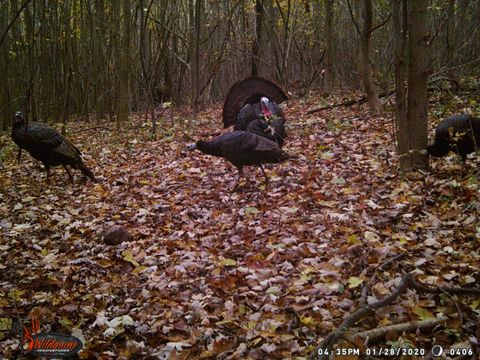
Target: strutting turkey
(456,133)
(47,145)
(252,105)
(242,148)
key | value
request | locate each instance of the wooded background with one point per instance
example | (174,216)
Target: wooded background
(339,239)
(61,60)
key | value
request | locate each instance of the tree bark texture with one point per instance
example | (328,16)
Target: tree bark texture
(365,62)
(415,131)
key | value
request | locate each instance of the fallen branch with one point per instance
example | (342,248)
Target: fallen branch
(364,311)
(93,128)
(364,99)
(374,335)
(441,289)
(405,283)
(351,102)
(386,264)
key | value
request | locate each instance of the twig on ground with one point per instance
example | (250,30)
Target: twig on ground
(407,282)
(383,266)
(374,335)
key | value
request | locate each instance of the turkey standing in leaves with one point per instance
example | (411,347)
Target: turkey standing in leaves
(457,133)
(269,124)
(242,148)
(252,105)
(47,145)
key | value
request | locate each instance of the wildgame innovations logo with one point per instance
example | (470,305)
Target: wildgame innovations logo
(48,344)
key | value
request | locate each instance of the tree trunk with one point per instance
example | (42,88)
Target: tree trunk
(101,99)
(124,88)
(196,57)
(317,26)
(415,131)
(29,102)
(400,42)
(461,21)
(5,110)
(366,69)
(258,37)
(328,79)
(450,40)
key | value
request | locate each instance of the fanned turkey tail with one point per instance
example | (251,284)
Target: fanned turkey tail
(249,91)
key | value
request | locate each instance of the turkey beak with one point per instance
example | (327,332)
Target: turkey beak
(191,147)
(18,118)
(264,102)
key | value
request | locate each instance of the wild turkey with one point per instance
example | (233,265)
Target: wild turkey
(252,105)
(456,133)
(47,145)
(269,124)
(242,148)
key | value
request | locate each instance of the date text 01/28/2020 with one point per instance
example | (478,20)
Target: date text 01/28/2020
(372,352)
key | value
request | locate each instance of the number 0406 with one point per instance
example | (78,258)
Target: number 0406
(460,351)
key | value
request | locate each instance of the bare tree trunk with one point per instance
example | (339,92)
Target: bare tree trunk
(196,57)
(273,54)
(415,131)
(66,101)
(400,41)
(5,108)
(317,25)
(318,55)
(328,80)
(366,69)
(29,102)
(357,64)
(450,40)
(460,21)
(101,99)
(124,88)
(258,37)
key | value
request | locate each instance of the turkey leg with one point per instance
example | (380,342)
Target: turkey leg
(47,169)
(68,172)
(264,174)
(240,175)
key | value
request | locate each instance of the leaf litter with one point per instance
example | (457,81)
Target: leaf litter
(267,271)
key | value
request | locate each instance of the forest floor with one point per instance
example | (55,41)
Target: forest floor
(262,273)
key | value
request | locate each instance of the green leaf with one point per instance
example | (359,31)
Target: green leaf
(251,210)
(66,322)
(228,262)
(422,313)
(338,181)
(127,256)
(403,240)
(289,209)
(5,324)
(354,282)
(352,239)
(307,320)
(16,294)
(274,290)
(327,155)
(371,236)
(474,305)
